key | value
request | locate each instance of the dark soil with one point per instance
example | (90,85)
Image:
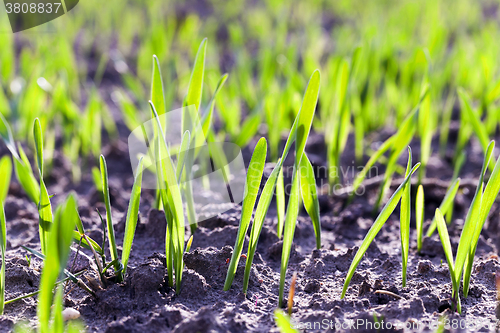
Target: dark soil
(144,302)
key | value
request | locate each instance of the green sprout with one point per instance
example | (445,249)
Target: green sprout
(446,204)
(419,216)
(109,220)
(380,221)
(59,240)
(303,123)
(44,206)
(284,322)
(474,222)
(488,197)
(252,186)
(171,197)
(404,220)
(130,222)
(310,196)
(132,216)
(445,241)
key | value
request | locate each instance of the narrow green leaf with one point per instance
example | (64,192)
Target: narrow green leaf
(55,261)
(283,322)
(445,241)
(306,115)
(196,81)
(488,198)
(249,129)
(172,200)
(493,94)
(6,174)
(109,220)
(6,135)
(181,160)
(445,204)
(37,133)
(292,213)
(44,207)
(377,225)
(258,221)
(77,236)
(303,124)
(132,215)
(310,196)
(157,91)
(96,177)
(206,120)
(471,220)
(401,140)
(252,186)
(280,203)
(57,318)
(473,117)
(419,212)
(405,214)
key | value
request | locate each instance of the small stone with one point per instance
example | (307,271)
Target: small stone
(70,314)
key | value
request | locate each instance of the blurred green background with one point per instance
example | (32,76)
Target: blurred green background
(93,67)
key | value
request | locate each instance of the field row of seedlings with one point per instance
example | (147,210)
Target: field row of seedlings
(369,196)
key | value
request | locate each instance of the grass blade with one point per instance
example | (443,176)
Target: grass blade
(206,120)
(419,212)
(377,225)
(280,203)
(55,261)
(303,123)
(252,186)
(24,173)
(6,134)
(193,97)
(157,90)
(471,219)
(77,236)
(109,220)
(6,172)
(446,204)
(477,125)
(195,89)
(488,198)
(181,160)
(171,197)
(445,241)
(44,207)
(22,166)
(310,196)
(292,213)
(283,322)
(132,216)
(306,115)
(401,140)
(258,221)
(405,213)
